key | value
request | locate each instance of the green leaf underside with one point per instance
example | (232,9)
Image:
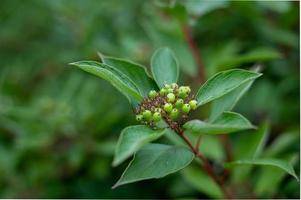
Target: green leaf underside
(132,139)
(155,161)
(228,122)
(284,165)
(135,72)
(223,83)
(118,80)
(228,101)
(164,67)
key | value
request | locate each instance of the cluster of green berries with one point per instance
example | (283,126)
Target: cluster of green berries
(170,103)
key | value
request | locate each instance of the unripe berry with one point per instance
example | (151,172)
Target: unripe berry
(182,94)
(179,103)
(186,108)
(174,85)
(152,94)
(182,89)
(193,104)
(187,89)
(156,116)
(159,110)
(147,115)
(139,118)
(171,97)
(167,107)
(174,114)
(163,92)
(170,90)
(167,86)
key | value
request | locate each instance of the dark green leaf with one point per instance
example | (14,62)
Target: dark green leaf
(164,67)
(132,139)
(135,72)
(155,161)
(223,83)
(118,80)
(228,122)
(228,101)
(282,164)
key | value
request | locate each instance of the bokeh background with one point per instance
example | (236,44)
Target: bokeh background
(59,125)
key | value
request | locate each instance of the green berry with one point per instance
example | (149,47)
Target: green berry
(159,110)
(167,107)
(179,103)
(182,94)
(157,116)
(193,104)
(152,94)
(186,108)
(174,85)
(139,118)
(147,115)
(187,89)
(174,114)
(163,92)
(182,89)
(170,90)
(171,97)
(167,86)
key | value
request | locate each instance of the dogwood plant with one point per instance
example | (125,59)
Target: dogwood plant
(162,107)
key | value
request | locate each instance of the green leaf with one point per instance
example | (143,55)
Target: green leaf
(155,161)
(132,139)
(118,80)
(249,146)
(228,101)
(256,55)
(135,72)
(282,164)
(228,122)
(198,179)
(164,67)
(223,83)
(174,41)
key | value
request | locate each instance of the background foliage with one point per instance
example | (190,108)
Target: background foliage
(59,126)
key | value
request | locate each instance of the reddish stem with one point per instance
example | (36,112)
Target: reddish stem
(207,166)
(195,52)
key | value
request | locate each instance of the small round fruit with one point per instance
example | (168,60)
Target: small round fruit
(163,92)
(174,114)
(170,90)
(186,108)
(157,117)
(159,110)
(182,94)
(167,86)
(147,114)
(152,94)
(139,118)
(171,97)
(174,85)
(167,107)
(179,103)
(187,89)
(193,104)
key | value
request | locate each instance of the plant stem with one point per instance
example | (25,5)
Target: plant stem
(187,31)
(207,166)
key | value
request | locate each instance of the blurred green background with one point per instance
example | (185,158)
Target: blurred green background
(59,125)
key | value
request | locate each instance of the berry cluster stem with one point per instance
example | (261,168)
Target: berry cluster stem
(207,166)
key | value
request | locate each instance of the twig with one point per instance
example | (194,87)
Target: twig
(187,31)
(207,166)
(198,142)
